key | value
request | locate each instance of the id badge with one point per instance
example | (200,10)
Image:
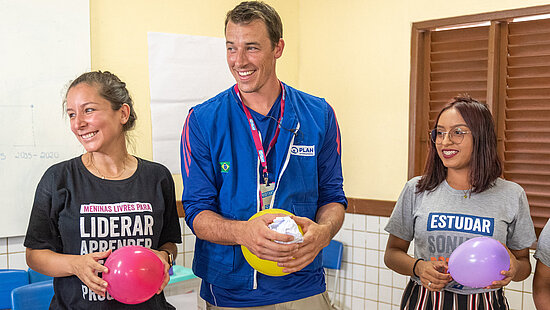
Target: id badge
(267,194)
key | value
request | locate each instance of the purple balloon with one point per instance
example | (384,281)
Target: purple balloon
(478,262)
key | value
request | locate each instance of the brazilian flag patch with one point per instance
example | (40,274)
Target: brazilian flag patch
(225,166)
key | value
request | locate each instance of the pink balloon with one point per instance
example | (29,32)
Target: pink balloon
(478,262)
(135,274)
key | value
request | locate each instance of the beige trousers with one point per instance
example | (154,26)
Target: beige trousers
(317,302)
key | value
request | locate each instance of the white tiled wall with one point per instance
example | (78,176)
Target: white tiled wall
(12,253)
(185,257)
(365,282)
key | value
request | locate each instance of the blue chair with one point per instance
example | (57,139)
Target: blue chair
(10,279)
(35,296)
(332,259)
(35,276)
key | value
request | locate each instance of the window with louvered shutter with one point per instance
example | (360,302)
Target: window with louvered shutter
(458,64)
(506,65)
(527,114)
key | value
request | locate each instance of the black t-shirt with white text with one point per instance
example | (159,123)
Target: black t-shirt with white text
(75,212)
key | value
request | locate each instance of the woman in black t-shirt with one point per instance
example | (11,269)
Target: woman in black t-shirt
(86,207)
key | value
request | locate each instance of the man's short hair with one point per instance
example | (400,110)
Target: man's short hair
(248,11)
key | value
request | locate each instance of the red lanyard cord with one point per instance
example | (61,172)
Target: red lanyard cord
(256,134)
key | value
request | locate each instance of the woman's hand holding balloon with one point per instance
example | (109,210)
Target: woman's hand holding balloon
(433,274)
(165,261)
(86,268)
(509,274)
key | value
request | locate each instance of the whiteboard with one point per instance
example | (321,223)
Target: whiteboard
(43,45)
(184,70)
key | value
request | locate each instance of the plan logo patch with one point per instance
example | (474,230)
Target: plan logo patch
(303,150)
(484,226)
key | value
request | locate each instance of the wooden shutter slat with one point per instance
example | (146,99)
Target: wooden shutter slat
(540,212)
(527,182)
(461,35)
(532,71)
(529,38)
(521,177)
(525,124)
(532,136)
(526,82)
(534,26)
(455,85)
(542,168)
(524,157)
(528,92)
(527,103)
(458,76)
(455,46)
(529,50)
(446,96)
(522,61)
(459,55)
(529,115)
(533,175)
(527,146)
(541,190)
(451,66)
(538,201)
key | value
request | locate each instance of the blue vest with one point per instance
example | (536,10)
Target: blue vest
(225,128)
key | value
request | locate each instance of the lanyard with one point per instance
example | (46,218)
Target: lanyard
(256,135)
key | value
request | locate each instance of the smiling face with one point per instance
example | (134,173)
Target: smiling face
(93,121)
(251,56)
(454,156)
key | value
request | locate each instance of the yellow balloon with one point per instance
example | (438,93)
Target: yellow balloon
(265,266)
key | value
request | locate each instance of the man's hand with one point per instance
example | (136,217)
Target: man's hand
(259,239)
(316,237)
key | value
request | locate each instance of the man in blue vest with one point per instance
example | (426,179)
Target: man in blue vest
(260,144)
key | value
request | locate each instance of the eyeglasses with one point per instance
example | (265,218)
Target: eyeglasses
(456,135)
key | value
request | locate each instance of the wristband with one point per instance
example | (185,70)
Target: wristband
(414,267)
(170,257)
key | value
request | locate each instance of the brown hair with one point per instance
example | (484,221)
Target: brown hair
(485,166)
(248,11)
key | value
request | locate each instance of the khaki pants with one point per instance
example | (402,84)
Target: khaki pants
(317,302)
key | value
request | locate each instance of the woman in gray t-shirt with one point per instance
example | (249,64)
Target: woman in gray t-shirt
(541,281)
(460,196)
